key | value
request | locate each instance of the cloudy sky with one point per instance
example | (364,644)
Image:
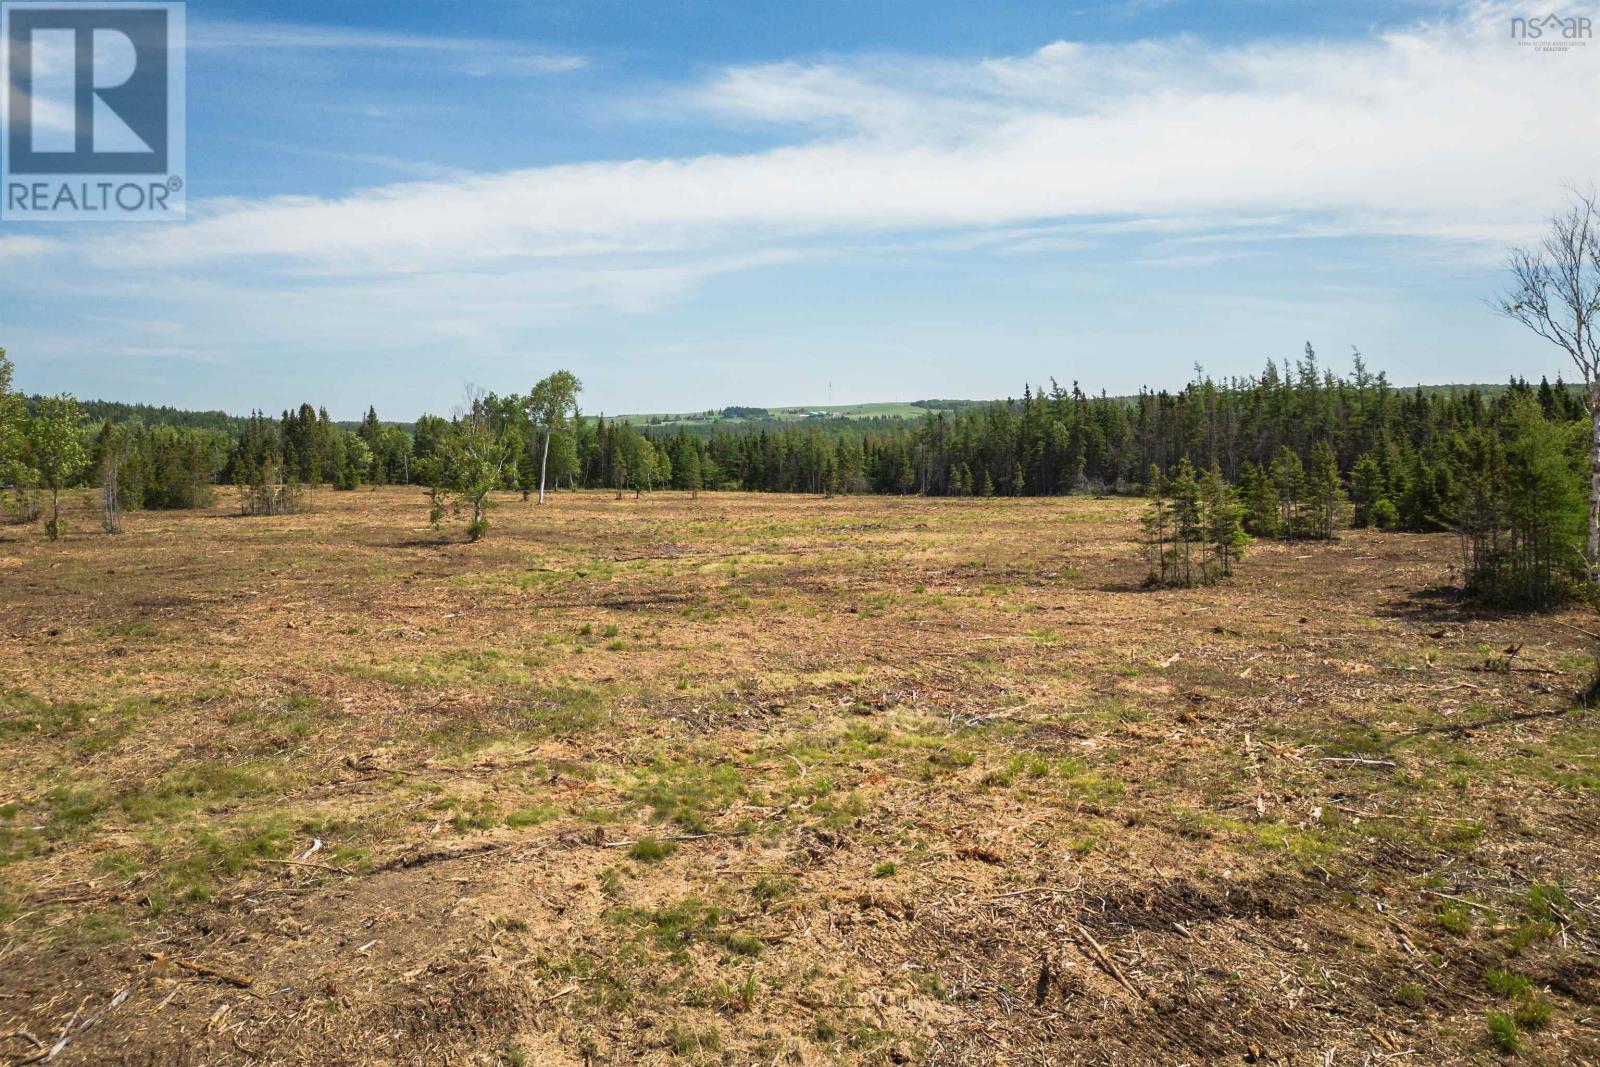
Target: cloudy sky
(694,204)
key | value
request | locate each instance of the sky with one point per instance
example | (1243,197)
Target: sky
(693,204)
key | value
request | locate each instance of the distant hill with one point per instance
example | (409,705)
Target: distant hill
(702,421)
(738,415)
(151,415)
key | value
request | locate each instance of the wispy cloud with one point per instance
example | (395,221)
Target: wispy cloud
(1444,133)
(474,55)
(1443,130)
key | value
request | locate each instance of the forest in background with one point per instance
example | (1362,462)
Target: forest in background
(1303,451)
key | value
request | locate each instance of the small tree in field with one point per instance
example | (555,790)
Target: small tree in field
(689,471)
(55,444)
(1288,477)
(1259,499)
(471,459)
(554,400)
(1224,521)
(112,448)
(1519,509)
(1188,524)
(1325,496)
(1157,526)
(1193,527)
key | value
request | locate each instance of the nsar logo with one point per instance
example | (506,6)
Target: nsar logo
(1552,33)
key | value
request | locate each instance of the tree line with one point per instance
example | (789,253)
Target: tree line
(1300,449)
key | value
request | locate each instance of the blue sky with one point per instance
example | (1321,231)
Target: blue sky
(696,204)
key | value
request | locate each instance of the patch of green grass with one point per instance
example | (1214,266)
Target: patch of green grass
(119,864)
(651,850)
(1525,935)
(1454,918)
(1533,1013)
(687,1041)
(94,727)
(533,815)
(468,814)
(1459,835)
(1507,984)
(97,928)
(687,793)
(1411,995)
(73,809)
(1548,903)
(566,711)
(767,891)
(1503,1033)
(675,927)
(201,786)
(189,863)
(886,869)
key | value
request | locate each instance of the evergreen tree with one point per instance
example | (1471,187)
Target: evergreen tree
(1325,496)
(1366,489)
(1288,478)
(1224,522)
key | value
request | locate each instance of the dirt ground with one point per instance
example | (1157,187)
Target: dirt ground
(780,780)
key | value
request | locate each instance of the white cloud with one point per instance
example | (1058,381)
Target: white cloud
(1446,132)
(22,247)
(477,55)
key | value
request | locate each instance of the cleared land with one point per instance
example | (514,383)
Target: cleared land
(780,780)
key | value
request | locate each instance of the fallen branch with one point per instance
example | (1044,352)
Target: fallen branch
(422,859)
(675,837)
(71,1030)
(313,866)
(204,970)
(1462,900)
(1106,963)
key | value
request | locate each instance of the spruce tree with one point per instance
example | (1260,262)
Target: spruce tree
(1183,490)
(1155,523)
(1288,478)
(1260,500)
(1366,489)
(1224,522)
(1324,492)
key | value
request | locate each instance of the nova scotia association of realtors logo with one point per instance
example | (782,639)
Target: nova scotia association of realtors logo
(1552,33)
(92,112)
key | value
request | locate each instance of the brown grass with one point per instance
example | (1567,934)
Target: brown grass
(778,780)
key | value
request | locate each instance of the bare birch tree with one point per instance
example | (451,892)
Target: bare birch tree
(1555,292)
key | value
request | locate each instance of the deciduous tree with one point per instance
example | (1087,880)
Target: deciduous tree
(554,400)
(56,449)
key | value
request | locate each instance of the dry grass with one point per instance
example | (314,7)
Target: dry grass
(778,780)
